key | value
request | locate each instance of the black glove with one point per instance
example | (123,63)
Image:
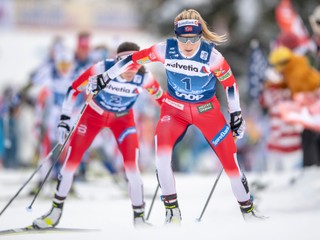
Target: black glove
(97,83)
(237,124)
(63,128)
(101,84)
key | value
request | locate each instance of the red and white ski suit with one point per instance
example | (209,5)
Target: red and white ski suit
(111,108)
(191,100)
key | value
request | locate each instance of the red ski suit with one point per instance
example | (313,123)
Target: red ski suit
(111,108)
(191,100)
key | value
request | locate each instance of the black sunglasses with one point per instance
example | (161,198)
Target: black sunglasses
(318,22)
(191,39)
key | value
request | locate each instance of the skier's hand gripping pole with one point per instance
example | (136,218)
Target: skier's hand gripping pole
(97,83)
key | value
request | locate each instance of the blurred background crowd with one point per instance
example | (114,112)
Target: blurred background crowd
(273,50)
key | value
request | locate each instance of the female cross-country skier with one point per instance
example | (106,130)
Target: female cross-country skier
(193,67)
(111,108)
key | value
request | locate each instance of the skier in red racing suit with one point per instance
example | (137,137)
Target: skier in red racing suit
(111,108)
(193,66)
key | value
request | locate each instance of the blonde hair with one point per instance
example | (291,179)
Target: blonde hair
(206,33)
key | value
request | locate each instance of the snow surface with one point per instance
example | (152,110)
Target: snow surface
(293,208)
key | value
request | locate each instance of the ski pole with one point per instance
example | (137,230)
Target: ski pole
(213,187)
(211,192)
(61,150)
(29,179)
(152,202)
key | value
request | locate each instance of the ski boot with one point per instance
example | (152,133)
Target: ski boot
(248,211)
(51,219)
(138,217)
(173,214)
